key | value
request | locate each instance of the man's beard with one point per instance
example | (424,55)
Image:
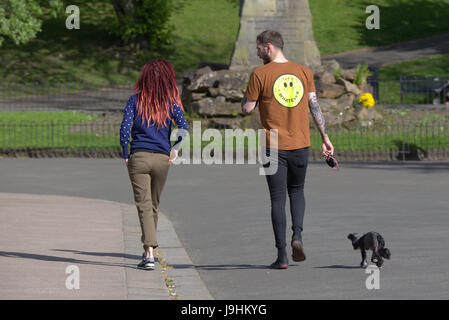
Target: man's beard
(265,57)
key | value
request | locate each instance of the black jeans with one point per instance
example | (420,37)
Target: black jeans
(290,175)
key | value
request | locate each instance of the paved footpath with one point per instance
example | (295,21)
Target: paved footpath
(221,216)
(398,52)
(43,235)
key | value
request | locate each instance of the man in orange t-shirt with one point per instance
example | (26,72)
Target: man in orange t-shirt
(285,92)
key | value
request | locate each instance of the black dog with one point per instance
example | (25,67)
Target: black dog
(370,241)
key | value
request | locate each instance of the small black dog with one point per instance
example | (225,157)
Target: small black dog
(370,241)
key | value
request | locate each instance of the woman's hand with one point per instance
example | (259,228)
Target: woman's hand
(126,161)
(173,155)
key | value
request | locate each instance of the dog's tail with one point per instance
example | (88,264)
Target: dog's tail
(352,236)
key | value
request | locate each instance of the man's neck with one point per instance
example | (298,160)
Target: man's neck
(280,58)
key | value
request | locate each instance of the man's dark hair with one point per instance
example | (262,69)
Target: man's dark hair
(271,36)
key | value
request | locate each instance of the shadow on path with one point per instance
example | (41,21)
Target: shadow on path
(338,266)
(423,167)
(230,267)
(42,257)
(101,254)
(224,266)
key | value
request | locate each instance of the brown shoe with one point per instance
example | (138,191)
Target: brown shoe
(298,252)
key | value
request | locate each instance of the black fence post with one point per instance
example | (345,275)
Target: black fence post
(52,136)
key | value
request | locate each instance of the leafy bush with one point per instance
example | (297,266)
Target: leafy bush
(337,72)
(21,20)
(361,73)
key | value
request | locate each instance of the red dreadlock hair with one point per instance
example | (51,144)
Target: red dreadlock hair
(157,91)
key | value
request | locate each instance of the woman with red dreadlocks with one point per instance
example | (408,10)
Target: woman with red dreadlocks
(148,116)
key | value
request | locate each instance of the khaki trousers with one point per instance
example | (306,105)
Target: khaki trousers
(148,172)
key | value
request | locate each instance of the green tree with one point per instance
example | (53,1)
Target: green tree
(144,22)
(140,22)
(21,20)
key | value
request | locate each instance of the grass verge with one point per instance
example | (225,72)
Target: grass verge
(84,133)
(169,281)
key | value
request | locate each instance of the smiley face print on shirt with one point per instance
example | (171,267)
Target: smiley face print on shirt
(288,90)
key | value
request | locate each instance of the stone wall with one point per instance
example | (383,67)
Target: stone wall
(338,97)
(216,96)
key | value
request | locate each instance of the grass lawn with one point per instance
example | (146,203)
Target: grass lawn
(44,117)
(47,130)
(205,30)
(339,25)
(432,66)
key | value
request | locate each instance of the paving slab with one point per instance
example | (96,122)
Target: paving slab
(42,235)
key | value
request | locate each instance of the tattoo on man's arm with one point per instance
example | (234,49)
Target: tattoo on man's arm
(244,100)
(316,113)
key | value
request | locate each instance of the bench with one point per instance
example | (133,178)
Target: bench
(435,87)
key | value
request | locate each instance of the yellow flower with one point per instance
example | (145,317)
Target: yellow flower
(367,100)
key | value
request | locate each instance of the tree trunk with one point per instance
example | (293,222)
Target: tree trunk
(127,8)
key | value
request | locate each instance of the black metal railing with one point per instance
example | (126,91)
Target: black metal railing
(398,140)
(427,90)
